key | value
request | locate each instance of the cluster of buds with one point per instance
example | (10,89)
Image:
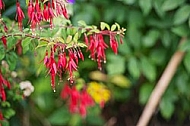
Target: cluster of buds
(3,83)
(63,64)
(40,10)
(79,101)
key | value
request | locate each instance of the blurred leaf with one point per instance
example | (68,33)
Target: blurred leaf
(60,117)
(129,1)
(2,52)
(146,6)
(134,36)
(166,38)
(145,92)
(121,94)
(136,19)
(150,39)
(158,56)
(187,61)
(11,59)
(120,81)
(11,42)
(181,30)
(115,61)
(171,4)
(166,108)
(133,67)
(25,44)
(148,69)
(97,75)
(157,4)
(8,113)
(182,14)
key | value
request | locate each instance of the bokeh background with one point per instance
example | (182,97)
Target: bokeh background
(154,29)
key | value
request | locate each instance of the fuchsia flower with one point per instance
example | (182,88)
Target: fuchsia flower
(4,40)
(113,44)
(79,101)
(72,64)
(1,5)
(97,48)
(3,83)
(19,15)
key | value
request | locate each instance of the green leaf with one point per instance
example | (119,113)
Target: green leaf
(146,6)
(104,25)
(133,67)
(115,61)
(11,59)
(148,69)
(187,61)
(120,81)
(171,4)
(76,37)
(113,27)
(25,44)
(181,30)
(145,92)
(11,42)
(158,56)
(134,36)
(82,45)
(182,14)
(157,4)
(42,44)
(166,108)
(58,117)
(150,39)
(129,2)
(8,113)
(69,39)
(166,38)
(2,52)
(82,23)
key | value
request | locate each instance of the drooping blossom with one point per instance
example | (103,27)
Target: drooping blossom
(97,48)
(113,44)
(78,101)
(19,15)
(72,65)
(1,6)
(4,40)
(3,82)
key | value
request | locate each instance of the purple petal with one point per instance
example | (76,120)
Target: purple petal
(71,1)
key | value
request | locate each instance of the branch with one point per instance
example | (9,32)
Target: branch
(161,87)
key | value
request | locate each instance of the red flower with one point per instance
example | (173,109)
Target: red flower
(4,40)
(1,116)
(2,83)
(97,49)
(19,15)
(113,44)
(72,65)
(78,101)
(1,5)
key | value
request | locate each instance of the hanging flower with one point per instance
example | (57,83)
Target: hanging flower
(4,40)
(78,101)
(19,15)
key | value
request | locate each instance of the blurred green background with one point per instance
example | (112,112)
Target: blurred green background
(154,29)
